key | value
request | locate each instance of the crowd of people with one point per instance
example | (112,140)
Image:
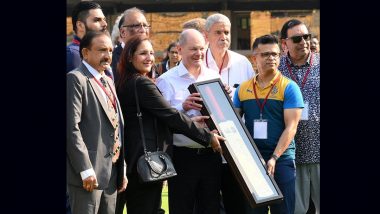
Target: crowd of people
(278,100)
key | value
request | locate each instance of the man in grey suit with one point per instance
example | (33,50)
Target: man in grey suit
(95,159)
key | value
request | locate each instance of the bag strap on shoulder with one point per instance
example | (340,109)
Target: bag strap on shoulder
(139,116)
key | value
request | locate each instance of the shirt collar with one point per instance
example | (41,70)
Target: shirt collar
(94,72)
(77,38)
(182,70)
(271,82)
(211,61)
(293,65)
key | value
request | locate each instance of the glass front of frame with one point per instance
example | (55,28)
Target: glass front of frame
(241,149)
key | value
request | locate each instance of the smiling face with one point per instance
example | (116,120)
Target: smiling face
(143,58)
(99,54)
(297,50)
(192,49)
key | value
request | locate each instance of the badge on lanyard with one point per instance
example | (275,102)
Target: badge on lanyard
(305,112)
(260,129)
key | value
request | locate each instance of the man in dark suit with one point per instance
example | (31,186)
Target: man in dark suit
(95,159)
(131,23)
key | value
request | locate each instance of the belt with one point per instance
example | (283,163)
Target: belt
(198,151)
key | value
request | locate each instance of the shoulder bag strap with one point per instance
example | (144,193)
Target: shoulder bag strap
(139,115)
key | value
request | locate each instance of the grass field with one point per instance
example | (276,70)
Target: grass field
(164,197)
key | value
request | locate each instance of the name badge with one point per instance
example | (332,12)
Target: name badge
(260,129)
(305,112)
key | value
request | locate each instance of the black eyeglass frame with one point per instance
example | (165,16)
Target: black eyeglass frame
(137,26)
(298,39)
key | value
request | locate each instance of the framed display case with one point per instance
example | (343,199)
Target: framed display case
(239,149)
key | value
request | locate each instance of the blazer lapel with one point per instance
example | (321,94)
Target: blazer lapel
(112,84)
(97,91)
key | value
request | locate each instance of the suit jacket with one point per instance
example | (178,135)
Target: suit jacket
(89,131)
(154,109)
(115,60)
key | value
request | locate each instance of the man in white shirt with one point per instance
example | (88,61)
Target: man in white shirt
(198,168)
(234,69)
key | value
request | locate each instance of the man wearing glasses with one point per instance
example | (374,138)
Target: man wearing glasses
(302,66)
(272,106)
(131,23)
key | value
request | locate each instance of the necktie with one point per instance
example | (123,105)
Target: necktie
(111,101)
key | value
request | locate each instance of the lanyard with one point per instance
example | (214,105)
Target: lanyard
(113,101)
(306,74)
(266,98)
(221,66)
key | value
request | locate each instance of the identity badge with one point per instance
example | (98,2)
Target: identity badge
(260,129)
(305,112)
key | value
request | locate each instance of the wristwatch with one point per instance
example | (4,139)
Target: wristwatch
(274,157)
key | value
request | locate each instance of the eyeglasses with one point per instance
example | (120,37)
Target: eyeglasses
(268,54)
(298,39)
(137,26)
(173,52)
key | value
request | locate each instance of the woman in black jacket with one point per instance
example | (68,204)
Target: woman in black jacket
(159,121)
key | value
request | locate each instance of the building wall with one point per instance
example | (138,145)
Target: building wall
(166,27)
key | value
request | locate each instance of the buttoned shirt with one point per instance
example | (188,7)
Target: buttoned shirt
(173,85)
(238,69)
(307,137)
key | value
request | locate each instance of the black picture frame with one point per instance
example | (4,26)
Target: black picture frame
(240,151)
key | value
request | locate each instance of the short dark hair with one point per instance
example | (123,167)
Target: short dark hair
(80,12)
(87,40)
(289,24)
(266,39)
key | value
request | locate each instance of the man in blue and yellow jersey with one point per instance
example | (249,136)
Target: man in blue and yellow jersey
(272,104)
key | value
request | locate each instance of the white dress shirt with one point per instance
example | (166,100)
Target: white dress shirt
(173,85)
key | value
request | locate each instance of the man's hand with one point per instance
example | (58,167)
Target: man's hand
(228,89)
(215,141)
(271,164)
(190,103)
(90,183)
(124,186)
(200,121)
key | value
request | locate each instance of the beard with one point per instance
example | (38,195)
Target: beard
(89,29)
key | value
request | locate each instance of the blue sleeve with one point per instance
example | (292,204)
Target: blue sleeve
(293,96)
(236,100)
(73,59)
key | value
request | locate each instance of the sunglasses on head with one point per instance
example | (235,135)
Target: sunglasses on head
(298,39)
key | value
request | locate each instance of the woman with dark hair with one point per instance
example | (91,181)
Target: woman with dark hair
(171,60)
(159,121)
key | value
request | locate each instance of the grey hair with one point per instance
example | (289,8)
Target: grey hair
(214,18)
(129,11)
(115,30)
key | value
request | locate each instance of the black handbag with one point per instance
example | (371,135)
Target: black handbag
(152,166)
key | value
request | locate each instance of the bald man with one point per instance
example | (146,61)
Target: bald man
(198,168)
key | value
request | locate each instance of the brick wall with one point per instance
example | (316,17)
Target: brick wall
(166,27)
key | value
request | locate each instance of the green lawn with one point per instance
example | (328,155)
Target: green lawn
(164,197)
